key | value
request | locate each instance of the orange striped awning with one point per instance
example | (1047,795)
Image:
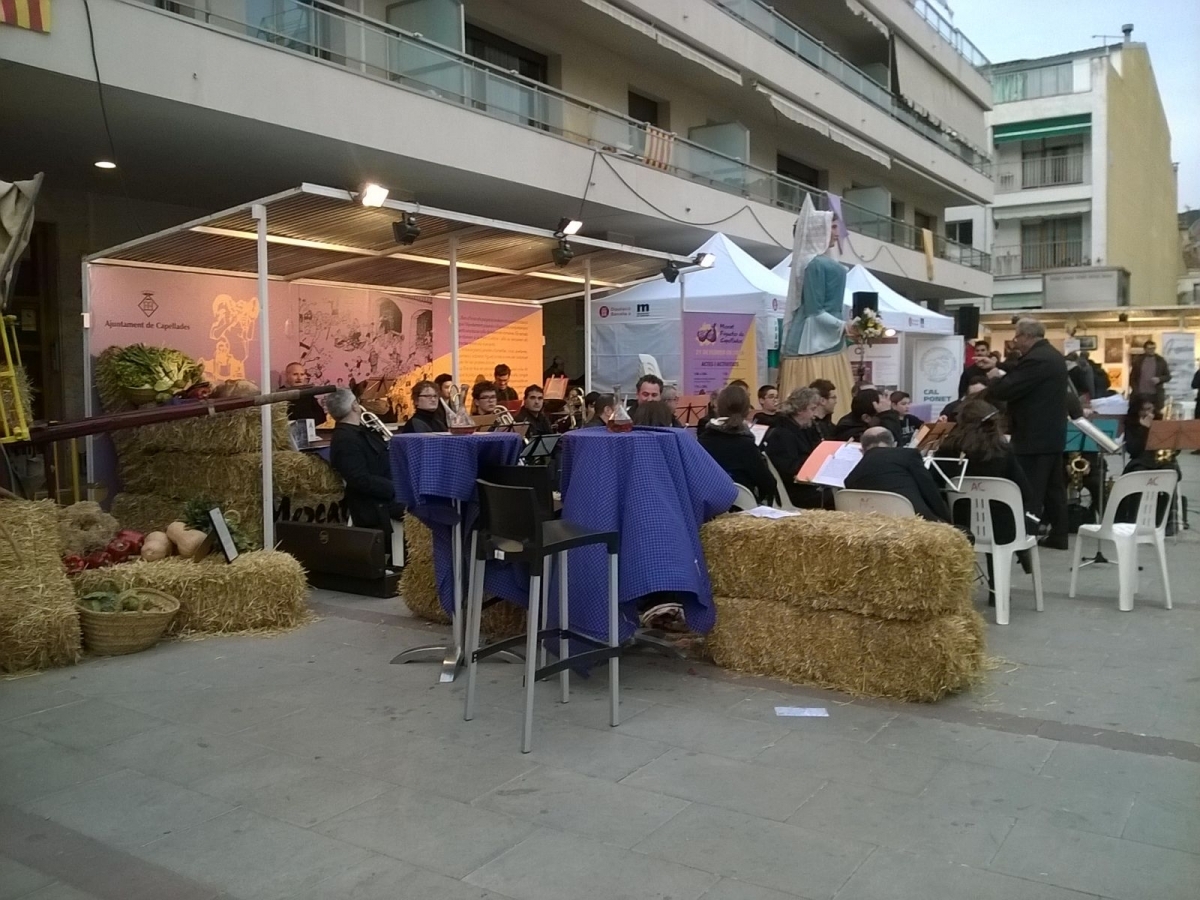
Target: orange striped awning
(31,14)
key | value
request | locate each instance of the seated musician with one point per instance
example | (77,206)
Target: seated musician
(296,376)
(865,409)
(768,405)
(898,420)
(653,413)
(899,470)
(823,420)
(600,407)
(670,396)
(976,385)
(648,388)
(729,442)
(791,440)
(483,395)
(504,393)
(428,414)
(359,455)
(531,413)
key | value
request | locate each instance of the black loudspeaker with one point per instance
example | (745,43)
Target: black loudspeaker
(966,322)
(864,300)
(339,557)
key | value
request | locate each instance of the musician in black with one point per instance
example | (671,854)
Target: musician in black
(359,455)
(531,413)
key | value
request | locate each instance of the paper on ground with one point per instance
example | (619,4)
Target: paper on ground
(769,512)
(816,712)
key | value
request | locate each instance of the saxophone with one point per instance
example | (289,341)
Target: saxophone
(1078,468)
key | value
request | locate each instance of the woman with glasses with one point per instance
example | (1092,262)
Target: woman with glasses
(429,416)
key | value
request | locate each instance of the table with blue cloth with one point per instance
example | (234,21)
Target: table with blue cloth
(655,487)
(434,475)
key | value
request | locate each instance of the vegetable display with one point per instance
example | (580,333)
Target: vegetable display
(126,545)
(163,370)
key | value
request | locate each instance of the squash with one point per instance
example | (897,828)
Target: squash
(190,543)
(156,545)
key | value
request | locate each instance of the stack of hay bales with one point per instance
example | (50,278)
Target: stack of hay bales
(418,587)
(163,466)
(863,603)
(263,590)
(39,626)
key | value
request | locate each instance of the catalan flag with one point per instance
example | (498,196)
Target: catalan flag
(31,14)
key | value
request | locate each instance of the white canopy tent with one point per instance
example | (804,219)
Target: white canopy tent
(647,319)
(895,310)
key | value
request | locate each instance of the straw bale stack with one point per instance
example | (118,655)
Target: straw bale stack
(863,655)
(182,476)
(867,564)
(149,512)
(227,433)
(259,591)
(867,604)
(83,527)
(418,587)
(39,626)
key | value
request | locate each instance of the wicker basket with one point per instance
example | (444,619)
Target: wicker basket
(117,633)
(141,396)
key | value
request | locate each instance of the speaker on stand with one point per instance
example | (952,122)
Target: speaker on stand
(966,322)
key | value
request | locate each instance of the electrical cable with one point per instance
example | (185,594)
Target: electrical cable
(587,185)
(112,146)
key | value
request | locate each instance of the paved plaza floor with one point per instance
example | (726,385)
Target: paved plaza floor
(305,767)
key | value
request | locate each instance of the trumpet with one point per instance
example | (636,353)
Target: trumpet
(373,422)
(504,418)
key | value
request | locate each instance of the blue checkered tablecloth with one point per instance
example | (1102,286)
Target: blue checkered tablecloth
(655,487)
(430,472)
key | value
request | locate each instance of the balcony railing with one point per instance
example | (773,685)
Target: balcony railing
(792,38)
(1034,257)
(949,33)
(1043,171)
(381,51)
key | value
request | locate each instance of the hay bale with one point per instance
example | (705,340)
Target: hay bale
(24,389)
(39,626)
(224,434)
(263,590)
(860,563)
(232,477)
(84,527)
(418,587)
(146,512)
(863,655)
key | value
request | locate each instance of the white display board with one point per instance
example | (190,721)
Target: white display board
(1179,350)
(937,365)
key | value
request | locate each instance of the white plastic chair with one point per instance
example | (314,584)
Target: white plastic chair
(1128,536)
(883,502)
(982,492)
(745,498)
(785,501)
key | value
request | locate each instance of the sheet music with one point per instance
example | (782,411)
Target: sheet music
(768,512)
(838,465)
(759,432)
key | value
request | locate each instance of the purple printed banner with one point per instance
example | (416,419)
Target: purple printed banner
(713,345)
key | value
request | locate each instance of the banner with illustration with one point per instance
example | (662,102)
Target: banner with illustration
(718,348)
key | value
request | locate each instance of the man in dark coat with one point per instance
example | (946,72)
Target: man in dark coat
(1148,375)
(359,455)
(886,467)
(1035,387)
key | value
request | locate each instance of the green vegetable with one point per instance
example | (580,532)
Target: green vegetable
(195,515)
(160,369)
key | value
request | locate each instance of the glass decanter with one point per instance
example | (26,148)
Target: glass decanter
(619,421)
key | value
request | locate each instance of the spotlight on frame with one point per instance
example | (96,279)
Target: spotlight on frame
(705,260)
(372,194)
(567,227)
(406,230)
(562,253)
(671,272)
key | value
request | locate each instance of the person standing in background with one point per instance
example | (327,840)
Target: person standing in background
(504,393)
(1035,387)
(1148,376)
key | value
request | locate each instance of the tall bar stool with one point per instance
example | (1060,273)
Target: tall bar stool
(514,527)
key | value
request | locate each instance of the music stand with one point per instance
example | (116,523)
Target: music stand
(539,449)
(932,439)
(555,387)
(1174,434)
(934,463)
(690,410)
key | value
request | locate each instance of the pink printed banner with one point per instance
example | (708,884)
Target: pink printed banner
(490,333)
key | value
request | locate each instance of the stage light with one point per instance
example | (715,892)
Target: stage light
(562,253)
(671,272)
(568,227)
(104,164)
(889,332)
(705,260)
(372,194)
(406,231)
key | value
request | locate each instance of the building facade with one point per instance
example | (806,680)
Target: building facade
(655,121)
(1084,210)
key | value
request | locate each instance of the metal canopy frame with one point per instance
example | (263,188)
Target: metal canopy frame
(325,235)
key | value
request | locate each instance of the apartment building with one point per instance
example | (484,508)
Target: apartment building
(1084,209)
(655,121)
